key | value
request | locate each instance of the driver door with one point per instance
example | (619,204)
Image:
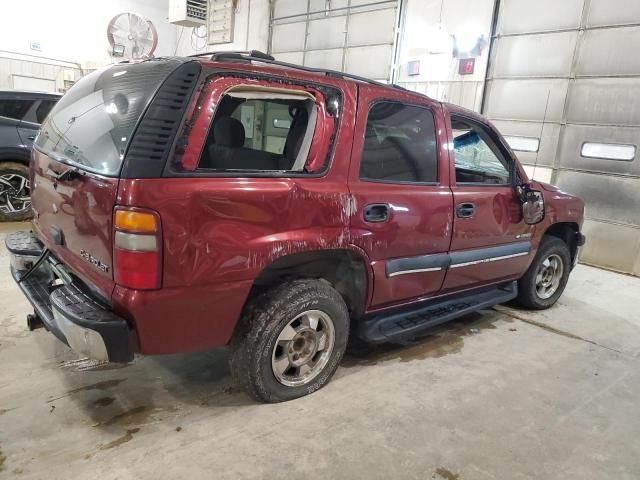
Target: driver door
(490,242)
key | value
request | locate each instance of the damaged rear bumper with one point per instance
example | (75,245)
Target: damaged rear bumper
(73,315)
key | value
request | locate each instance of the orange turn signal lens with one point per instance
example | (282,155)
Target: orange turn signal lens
(133,221)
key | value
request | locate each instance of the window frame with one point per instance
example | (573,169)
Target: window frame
(173,167)
(498,142)
(41,102)
(435,136)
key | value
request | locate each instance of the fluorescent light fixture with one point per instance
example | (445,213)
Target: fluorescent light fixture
(523,144)
(281,123)
(609,151)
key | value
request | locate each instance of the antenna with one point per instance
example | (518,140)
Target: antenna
(544,119)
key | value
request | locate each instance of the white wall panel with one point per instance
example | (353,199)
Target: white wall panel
(326,33)
(613,12)
(576,135)
(545,55)
(355,35)
(371,62)
(611,246)
(288,37)
(612,101)
(610,51)
(371,27)
(286,8)
(607,197)
(526,99)
(330,59)
(523,16)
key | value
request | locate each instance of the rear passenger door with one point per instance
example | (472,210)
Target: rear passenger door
(490,243)
(402,204)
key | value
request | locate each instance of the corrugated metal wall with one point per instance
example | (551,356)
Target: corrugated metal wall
(355,36)
(567,72)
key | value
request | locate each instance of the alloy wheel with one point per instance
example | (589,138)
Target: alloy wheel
(303,348)
(549,276)
(14,193)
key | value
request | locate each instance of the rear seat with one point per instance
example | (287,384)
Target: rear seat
(228,151)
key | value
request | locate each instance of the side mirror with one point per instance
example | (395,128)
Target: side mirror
(532,204)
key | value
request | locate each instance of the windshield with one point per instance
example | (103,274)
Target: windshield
(91,125)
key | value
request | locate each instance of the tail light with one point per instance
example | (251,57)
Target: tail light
(137,248)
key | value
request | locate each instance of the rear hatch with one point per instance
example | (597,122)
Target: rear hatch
(77,161)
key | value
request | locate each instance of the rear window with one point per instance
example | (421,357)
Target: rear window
(261,129)
(92,124)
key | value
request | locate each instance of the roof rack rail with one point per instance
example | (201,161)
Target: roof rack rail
(235,55)
(258,56)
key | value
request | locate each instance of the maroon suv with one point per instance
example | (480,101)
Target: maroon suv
(188,203)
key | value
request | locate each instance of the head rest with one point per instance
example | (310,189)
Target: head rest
(229,132)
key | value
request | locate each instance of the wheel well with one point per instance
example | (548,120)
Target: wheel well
(343,269)
(568,233)
(14,159)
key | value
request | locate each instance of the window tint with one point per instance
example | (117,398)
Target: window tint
(477,158)
(399,144)
(15,108)
(43,109)
(260,130)
(92,124)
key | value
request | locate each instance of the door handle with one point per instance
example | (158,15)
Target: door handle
(376,212)
(31,137)
(465,210)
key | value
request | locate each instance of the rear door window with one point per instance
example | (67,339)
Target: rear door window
(399,145)
(15,109)
(92,124)
(260,129)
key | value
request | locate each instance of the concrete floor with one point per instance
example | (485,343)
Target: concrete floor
(504,394)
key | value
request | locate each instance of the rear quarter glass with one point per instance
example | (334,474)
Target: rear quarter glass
(91,126)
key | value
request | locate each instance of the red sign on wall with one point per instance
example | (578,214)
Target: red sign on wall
(466,66)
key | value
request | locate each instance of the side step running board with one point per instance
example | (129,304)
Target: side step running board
(403,324)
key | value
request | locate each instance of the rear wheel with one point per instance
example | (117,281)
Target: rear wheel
(290,341)
(547,276)
(15,203)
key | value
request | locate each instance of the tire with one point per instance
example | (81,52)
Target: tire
(264,345)
(540,289)
(14,185)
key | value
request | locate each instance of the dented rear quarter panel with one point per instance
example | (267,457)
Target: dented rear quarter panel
(219,233)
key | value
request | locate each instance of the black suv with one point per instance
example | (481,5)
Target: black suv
(21,114)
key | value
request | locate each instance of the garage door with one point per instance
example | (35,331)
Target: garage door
(354,36)
(565,90)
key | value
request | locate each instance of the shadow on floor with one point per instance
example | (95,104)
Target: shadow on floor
(158,388)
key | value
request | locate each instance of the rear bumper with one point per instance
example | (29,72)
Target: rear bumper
(65,308)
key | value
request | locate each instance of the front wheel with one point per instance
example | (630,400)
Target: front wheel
(544,281)
(290,341)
